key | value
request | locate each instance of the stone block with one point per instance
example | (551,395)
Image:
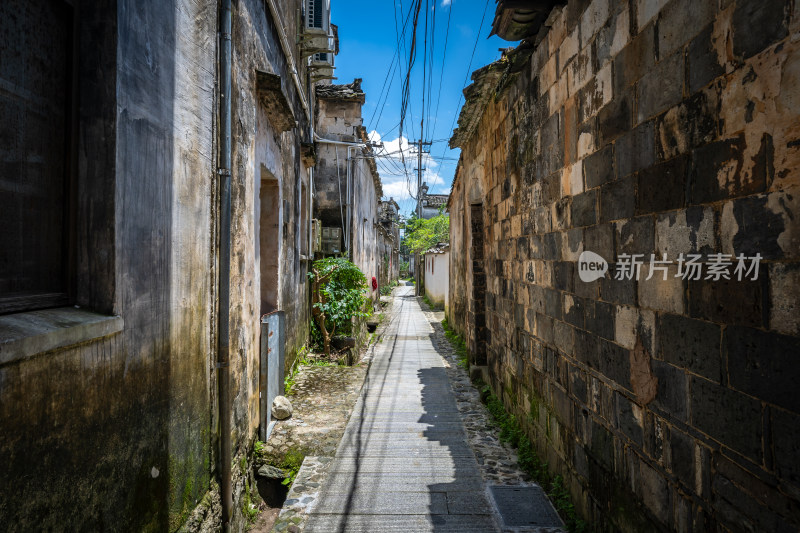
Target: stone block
(625,321)
(682,458)
(616,291)
(593,19)
(612,37)
(784,291)
(635,150)
(777,234)
(690,344)
(597,93)
(690,124)
(600,240)
(729,417)
(577,383)
(573,12)
(646,10)
(614,119)
(763,364)
(739,509)
(563,275)
(544,328)
(680,21)
(630,418)
(717,172)
(598,168)
(654,492)
(662,187)
(636,59)
(618,199)
(587,348)
(551,246)
(564,337)
(583,289)
(601,447)
(614,362)
(552,303)
(574,309)
(671,394)
(786,440)
(757,25)
(572,240)
(702,61)
(730,302)
(661,87)
(600,319)
(579,71)
(661,294)
(569,49)
(686,231)
(635,236)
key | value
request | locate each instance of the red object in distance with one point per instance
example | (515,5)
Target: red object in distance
(374,283)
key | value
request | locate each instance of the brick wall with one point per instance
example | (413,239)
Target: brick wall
(644,127)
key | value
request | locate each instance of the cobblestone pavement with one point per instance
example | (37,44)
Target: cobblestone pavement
(497,460)
(323,398)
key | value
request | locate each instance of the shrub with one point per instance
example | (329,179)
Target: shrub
(339,293)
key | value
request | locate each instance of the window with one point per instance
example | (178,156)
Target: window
(36,140)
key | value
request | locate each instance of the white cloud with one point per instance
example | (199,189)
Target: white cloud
(397,179)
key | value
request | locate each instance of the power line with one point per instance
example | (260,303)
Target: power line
(469,70)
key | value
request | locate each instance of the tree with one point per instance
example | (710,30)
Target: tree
(339,293)
(423,234)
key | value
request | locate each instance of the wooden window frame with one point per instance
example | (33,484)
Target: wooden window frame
(31,302)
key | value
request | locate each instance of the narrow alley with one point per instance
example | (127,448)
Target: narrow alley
(404,463)
(435,265)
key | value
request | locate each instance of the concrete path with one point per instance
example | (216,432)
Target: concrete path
(404,463)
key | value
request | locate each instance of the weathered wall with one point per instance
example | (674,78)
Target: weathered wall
(114,433)
(644,127)
(437,280)
(119,432)
(262,153)
(338,118)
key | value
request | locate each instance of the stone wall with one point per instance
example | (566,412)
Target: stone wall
(642,127)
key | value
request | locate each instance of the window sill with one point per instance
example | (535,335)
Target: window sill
(23,335)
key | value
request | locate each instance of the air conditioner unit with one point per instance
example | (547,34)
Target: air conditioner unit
(321,66)
(318,15)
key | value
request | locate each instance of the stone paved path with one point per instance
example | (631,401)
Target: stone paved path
(404,463)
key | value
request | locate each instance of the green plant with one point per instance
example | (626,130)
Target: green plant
(421,234)
(458,344)
(529,461)
(291,464)
(338,294)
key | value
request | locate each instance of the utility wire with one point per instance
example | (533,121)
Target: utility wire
(469,70)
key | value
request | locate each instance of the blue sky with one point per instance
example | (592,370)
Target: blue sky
(367,48)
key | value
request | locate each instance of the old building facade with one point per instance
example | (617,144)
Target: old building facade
(641,131)
(110,395)
(389,241)
(347,187)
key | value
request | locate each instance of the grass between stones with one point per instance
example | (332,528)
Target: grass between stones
(458,345)
(512,433)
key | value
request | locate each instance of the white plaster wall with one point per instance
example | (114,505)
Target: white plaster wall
(437,277)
